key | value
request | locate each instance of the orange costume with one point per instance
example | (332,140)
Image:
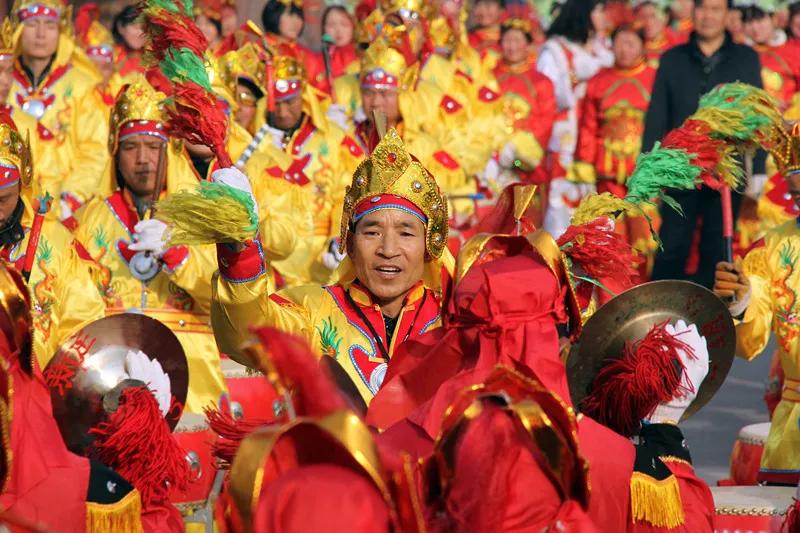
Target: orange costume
(655,48)
(610,133)
(780,71)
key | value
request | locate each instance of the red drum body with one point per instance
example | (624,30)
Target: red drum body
(750,509)
(747,451)
(194,437)
(251,396)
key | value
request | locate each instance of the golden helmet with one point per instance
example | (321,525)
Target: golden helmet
(222,76)
(784,145)
(384,67)
(521,24)
(288,77)
(392,172)
(16,164)
(247,63)
(407,9)
(93,37)
(7,38)
(138,110)
(368,29)
(442,35)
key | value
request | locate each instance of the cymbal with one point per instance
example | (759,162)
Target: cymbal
(630,316)
(87,371)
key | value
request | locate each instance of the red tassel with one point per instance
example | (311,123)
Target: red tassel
(137,443)
(87,14)
(195,116)
(231,433)
(695,137)
(628,389)
(791,524)
(601,253)
(168,30)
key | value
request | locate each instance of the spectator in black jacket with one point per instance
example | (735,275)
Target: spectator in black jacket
(685,73)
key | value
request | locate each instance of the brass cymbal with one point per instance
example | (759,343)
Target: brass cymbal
(630,316)
(88,368)
(15,314)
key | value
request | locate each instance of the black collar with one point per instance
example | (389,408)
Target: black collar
(29,74)
(723,50)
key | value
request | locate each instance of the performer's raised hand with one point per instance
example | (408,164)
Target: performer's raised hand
(150,236)
(235,178)
(729,282)
(695,362)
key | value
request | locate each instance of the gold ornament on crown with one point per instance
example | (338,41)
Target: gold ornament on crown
(289,3)
(784,145)
(247,62)
(139,101)
(367,29)
(420,7)
(520,24)
(16,150)
(392,170)
(222,77)
(7,37)
(382,56)
(97,35)
(287,67)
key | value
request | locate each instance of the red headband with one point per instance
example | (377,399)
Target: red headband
(386,201)
(9,175)
(379,79)
(38,11)
(142,127)
(287,89)
(106,53)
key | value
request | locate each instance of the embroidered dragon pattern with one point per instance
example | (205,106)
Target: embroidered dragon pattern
(786,323)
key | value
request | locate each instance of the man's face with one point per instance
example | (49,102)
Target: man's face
(105,67)
(486,13)
(287,113)
(383,100)
(8,202)
(39,38)
(794,187)
(388,253)
(207,28)
(137,162)
(133,35)
(6,77)
(710,17)
(653,21)
(628,49)
(515,46)
(760,30)
(682,9)
(247,106)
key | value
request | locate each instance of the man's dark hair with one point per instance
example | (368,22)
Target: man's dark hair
(271,15)
(574,21)
(698,3)
(630,28)
(752,13)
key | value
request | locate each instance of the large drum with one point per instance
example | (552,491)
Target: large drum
(750,509)
(251,396)
(747,451)
(195,438)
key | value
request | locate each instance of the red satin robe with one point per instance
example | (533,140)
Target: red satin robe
(654,48)
(780,71)
(609,140)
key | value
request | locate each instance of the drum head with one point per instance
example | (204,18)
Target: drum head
(630,316)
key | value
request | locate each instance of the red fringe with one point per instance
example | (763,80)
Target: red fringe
(169,30)
(231,433)
(601,253)
(87,14)
(628,389)
(695,137)
(197,117)
(791,524)
(137,443)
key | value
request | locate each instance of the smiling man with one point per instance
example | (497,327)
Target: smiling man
(394,228)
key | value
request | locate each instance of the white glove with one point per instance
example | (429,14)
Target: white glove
(338,115)
(149,237)
(66,209)
(277,137)
(491,171)
(507,156)
(696,366)
(233,177)
(359,116)
(332,257)
(738,307)
(139,366)
(755,185)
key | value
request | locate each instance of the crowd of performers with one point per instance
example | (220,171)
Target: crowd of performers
(401,284)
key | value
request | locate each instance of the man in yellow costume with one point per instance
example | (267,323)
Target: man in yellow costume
(766,301)
(394,228)
(51,79)
(132,268)
(297,153)
(40,249)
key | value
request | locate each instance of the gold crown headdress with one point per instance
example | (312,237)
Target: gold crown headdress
(407,8)
(15,150)
(784,145)
(93,37)
(289,3)
(141,104)
(391,170)
(7,37)
(368,29)
(223,78)
(442,35)
(383,66)
(247,62)
(521,24)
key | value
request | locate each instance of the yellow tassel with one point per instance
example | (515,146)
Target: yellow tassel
(656,502)
(595,206)
(125,516)
(195,219)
